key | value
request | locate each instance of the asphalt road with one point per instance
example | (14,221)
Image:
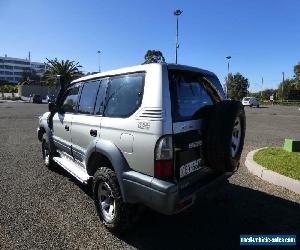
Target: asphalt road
(43,208)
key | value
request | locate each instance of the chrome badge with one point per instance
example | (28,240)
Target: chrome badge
(144,125)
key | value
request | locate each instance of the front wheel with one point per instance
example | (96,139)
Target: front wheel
(113,212)
(47,157)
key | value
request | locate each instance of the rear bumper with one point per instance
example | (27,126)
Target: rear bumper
(165,197)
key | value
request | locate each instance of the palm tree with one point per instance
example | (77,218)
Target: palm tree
(68,69)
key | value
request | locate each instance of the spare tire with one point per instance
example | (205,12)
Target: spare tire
(223,135)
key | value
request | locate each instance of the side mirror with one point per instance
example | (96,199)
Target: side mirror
(52,107)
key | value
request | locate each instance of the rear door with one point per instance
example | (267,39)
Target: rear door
(118,125)
(192,94)
(86,123)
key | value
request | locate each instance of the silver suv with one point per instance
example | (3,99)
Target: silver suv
(159,135)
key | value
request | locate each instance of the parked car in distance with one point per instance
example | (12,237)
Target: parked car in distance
(250,101)
(159,135)
(37,99)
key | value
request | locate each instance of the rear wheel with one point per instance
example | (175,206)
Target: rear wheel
(113,212)
(223,136)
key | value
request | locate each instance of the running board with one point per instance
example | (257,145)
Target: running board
(74,169)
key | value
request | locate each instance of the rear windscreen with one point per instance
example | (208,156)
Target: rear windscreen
(190,92)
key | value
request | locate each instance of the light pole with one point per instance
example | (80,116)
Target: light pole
(228,67)
(99,53)
(282,86)
(228,63)
(177,13)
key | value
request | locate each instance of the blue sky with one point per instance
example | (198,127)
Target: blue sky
(263,37)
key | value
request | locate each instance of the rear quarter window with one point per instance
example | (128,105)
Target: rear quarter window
(124,95)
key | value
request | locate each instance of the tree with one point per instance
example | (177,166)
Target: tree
(287,89)
(237,86)
(297,75)
(8,88)
(266,93)
(154,56)
(65,68)
(297,71)
(255,94)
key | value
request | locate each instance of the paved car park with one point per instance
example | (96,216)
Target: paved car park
(47,208)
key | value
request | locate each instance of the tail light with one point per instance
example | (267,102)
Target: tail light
(163,167)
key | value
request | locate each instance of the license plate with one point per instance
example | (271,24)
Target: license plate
(190,167)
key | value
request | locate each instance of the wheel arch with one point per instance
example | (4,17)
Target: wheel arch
(109,155)
(44,129)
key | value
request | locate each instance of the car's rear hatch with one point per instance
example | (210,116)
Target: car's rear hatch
(192,94)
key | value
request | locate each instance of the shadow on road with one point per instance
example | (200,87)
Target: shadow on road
(212,224)
(87,189)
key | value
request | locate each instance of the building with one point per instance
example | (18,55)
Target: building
(12,69)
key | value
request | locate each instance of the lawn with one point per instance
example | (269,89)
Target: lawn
(280,161)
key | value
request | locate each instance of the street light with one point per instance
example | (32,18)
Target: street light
(99,53)
(228,66)
(177,13)
(228,62)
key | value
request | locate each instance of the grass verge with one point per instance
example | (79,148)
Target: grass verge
(280,161)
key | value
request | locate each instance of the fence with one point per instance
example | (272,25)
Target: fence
(282,102)
(30,90)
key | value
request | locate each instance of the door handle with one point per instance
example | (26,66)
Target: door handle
(67,128)
(93,132)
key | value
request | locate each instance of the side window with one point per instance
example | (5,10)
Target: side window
(88,97)
(124,95)
(70,100)
(100,101)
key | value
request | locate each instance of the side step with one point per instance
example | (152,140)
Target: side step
(73,168)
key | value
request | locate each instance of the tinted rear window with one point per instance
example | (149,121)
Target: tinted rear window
(190,92)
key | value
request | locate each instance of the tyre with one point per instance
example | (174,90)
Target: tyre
(223,136)
(113,212)
(257,105)
(47,157)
